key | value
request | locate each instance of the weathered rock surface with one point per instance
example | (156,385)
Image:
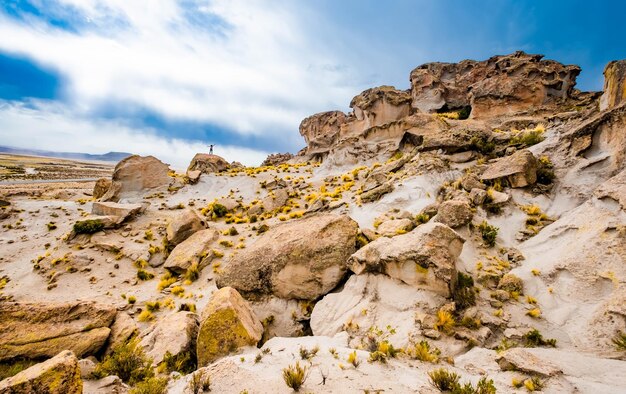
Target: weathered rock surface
(123,211)
(499,85)
(275,159)
(519,359)
(101,187)
(176,333)
(321,131)
(58,375)
(386,301)
(35,330)
(183,226)
(135,175)
(193,250)
(376,107)
(122,329)
(614,85)
(519,169)
(277,199)
(301,259)
(423,258)
(206,163)
(454,213)
(109,385)
(226,323)
(393,227)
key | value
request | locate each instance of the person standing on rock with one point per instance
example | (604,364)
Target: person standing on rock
(211,149)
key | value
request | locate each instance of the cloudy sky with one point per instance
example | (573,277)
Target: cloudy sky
(168,77)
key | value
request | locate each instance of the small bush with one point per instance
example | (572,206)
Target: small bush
(128,362)
(184,362)
(422,218)
(200,382)
(534,313)
(89,226)
(482,144)
(353,359)
(533,338)
(465,292)
(145,316)
(444,380)
(150,386)
(307,354)
(488,232)
(545,171)
(219,210)
(528,137)
(193,272)
(445,321)
(142,274)
(422,351)
(132,299)
(533,384)
(295,376)
(619,340)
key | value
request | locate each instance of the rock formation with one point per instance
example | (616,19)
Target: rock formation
(614,85)
(137,174)
(206,163)
(58,375)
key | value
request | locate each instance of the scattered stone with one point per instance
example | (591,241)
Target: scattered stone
(423,258)
(109,385)
(87,367)
(58,375)
(227,323)
(183,226)
(193,176)
(519,169)
(123,211)
(478,196)
(519,359)
(377,192)
(301,259)
(454,213)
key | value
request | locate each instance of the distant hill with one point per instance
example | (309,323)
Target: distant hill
(110,156)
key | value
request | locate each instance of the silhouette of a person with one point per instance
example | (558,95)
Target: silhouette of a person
(211,149)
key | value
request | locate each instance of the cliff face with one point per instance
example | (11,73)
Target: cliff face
(487,92)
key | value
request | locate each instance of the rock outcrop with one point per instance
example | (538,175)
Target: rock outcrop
(614,85)
(275,159)
(226,323)
(321,131)
(36,330)
(206,163)
(58,375)
(101,187)
(135,175)
(183,226)
(423,258)
(175,334)
(191,251)
(301,259)
(519,169)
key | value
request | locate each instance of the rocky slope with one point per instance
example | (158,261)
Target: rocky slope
(467,234)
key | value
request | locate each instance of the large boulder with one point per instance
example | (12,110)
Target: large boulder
(226,324)
(519,359)
(321,131)
(193,250)
(454,213)
(614,85)
(376,107)
(423,258)
(135,175)
(122,330)
(519,169)
(174,334)
(101,187)
(371,301)
(36,330)
(58,375)
(499,85)
(301,259)
(184,224)
(206,163)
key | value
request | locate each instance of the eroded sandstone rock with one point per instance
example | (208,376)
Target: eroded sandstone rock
(183,226)
(321,131)
(519,169)
(454,213)
(135,175)
(123,211)
(35,330)
(614,85)
(193,250)
(226,323)
(423,258)
(207,163)
(301,259)
(101,187)
(175,334)
(58,375)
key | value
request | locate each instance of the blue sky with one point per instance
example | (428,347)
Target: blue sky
(168,77)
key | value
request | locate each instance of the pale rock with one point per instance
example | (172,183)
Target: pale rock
(183,226)
(614,85)
(194,249)
(478,196)
(175,334)
(135,175)
(275,200)
(454,213)
(520,359)
(58,375)
(394,227)
(301,259)
(122,330)
(101,187)
(123,211)
(207,163)
(519,169)
(424,258)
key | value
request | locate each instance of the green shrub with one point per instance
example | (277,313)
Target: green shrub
(150,386)
(443,379)
(488,232)
(89,226)
(533,338)
(422,218)
(193,272)
(184,362)
(219,210)
(528,137)
(200,382)
(128,362)
(482,144)
(465,292)
(295,376)
(545,171)
(142,274)
(14,367)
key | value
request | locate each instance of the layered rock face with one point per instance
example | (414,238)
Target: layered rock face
(321,131)
(499,85)
(614,85)
(43,330)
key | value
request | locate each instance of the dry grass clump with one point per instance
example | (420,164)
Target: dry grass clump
(295,376)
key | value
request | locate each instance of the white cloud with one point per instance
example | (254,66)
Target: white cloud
(48,127)
(262,74)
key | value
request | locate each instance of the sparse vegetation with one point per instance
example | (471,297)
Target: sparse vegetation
(89,226)
(142,274)
(151,385)
(127,361)
(354,360)
(447,381)
(533,384)
(465,292)
(488,233)
(619,340)
(307,354)
(445,321)
(295,376)
(533,338)
(422,351)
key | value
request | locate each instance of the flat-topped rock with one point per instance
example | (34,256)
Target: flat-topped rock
(207,163)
